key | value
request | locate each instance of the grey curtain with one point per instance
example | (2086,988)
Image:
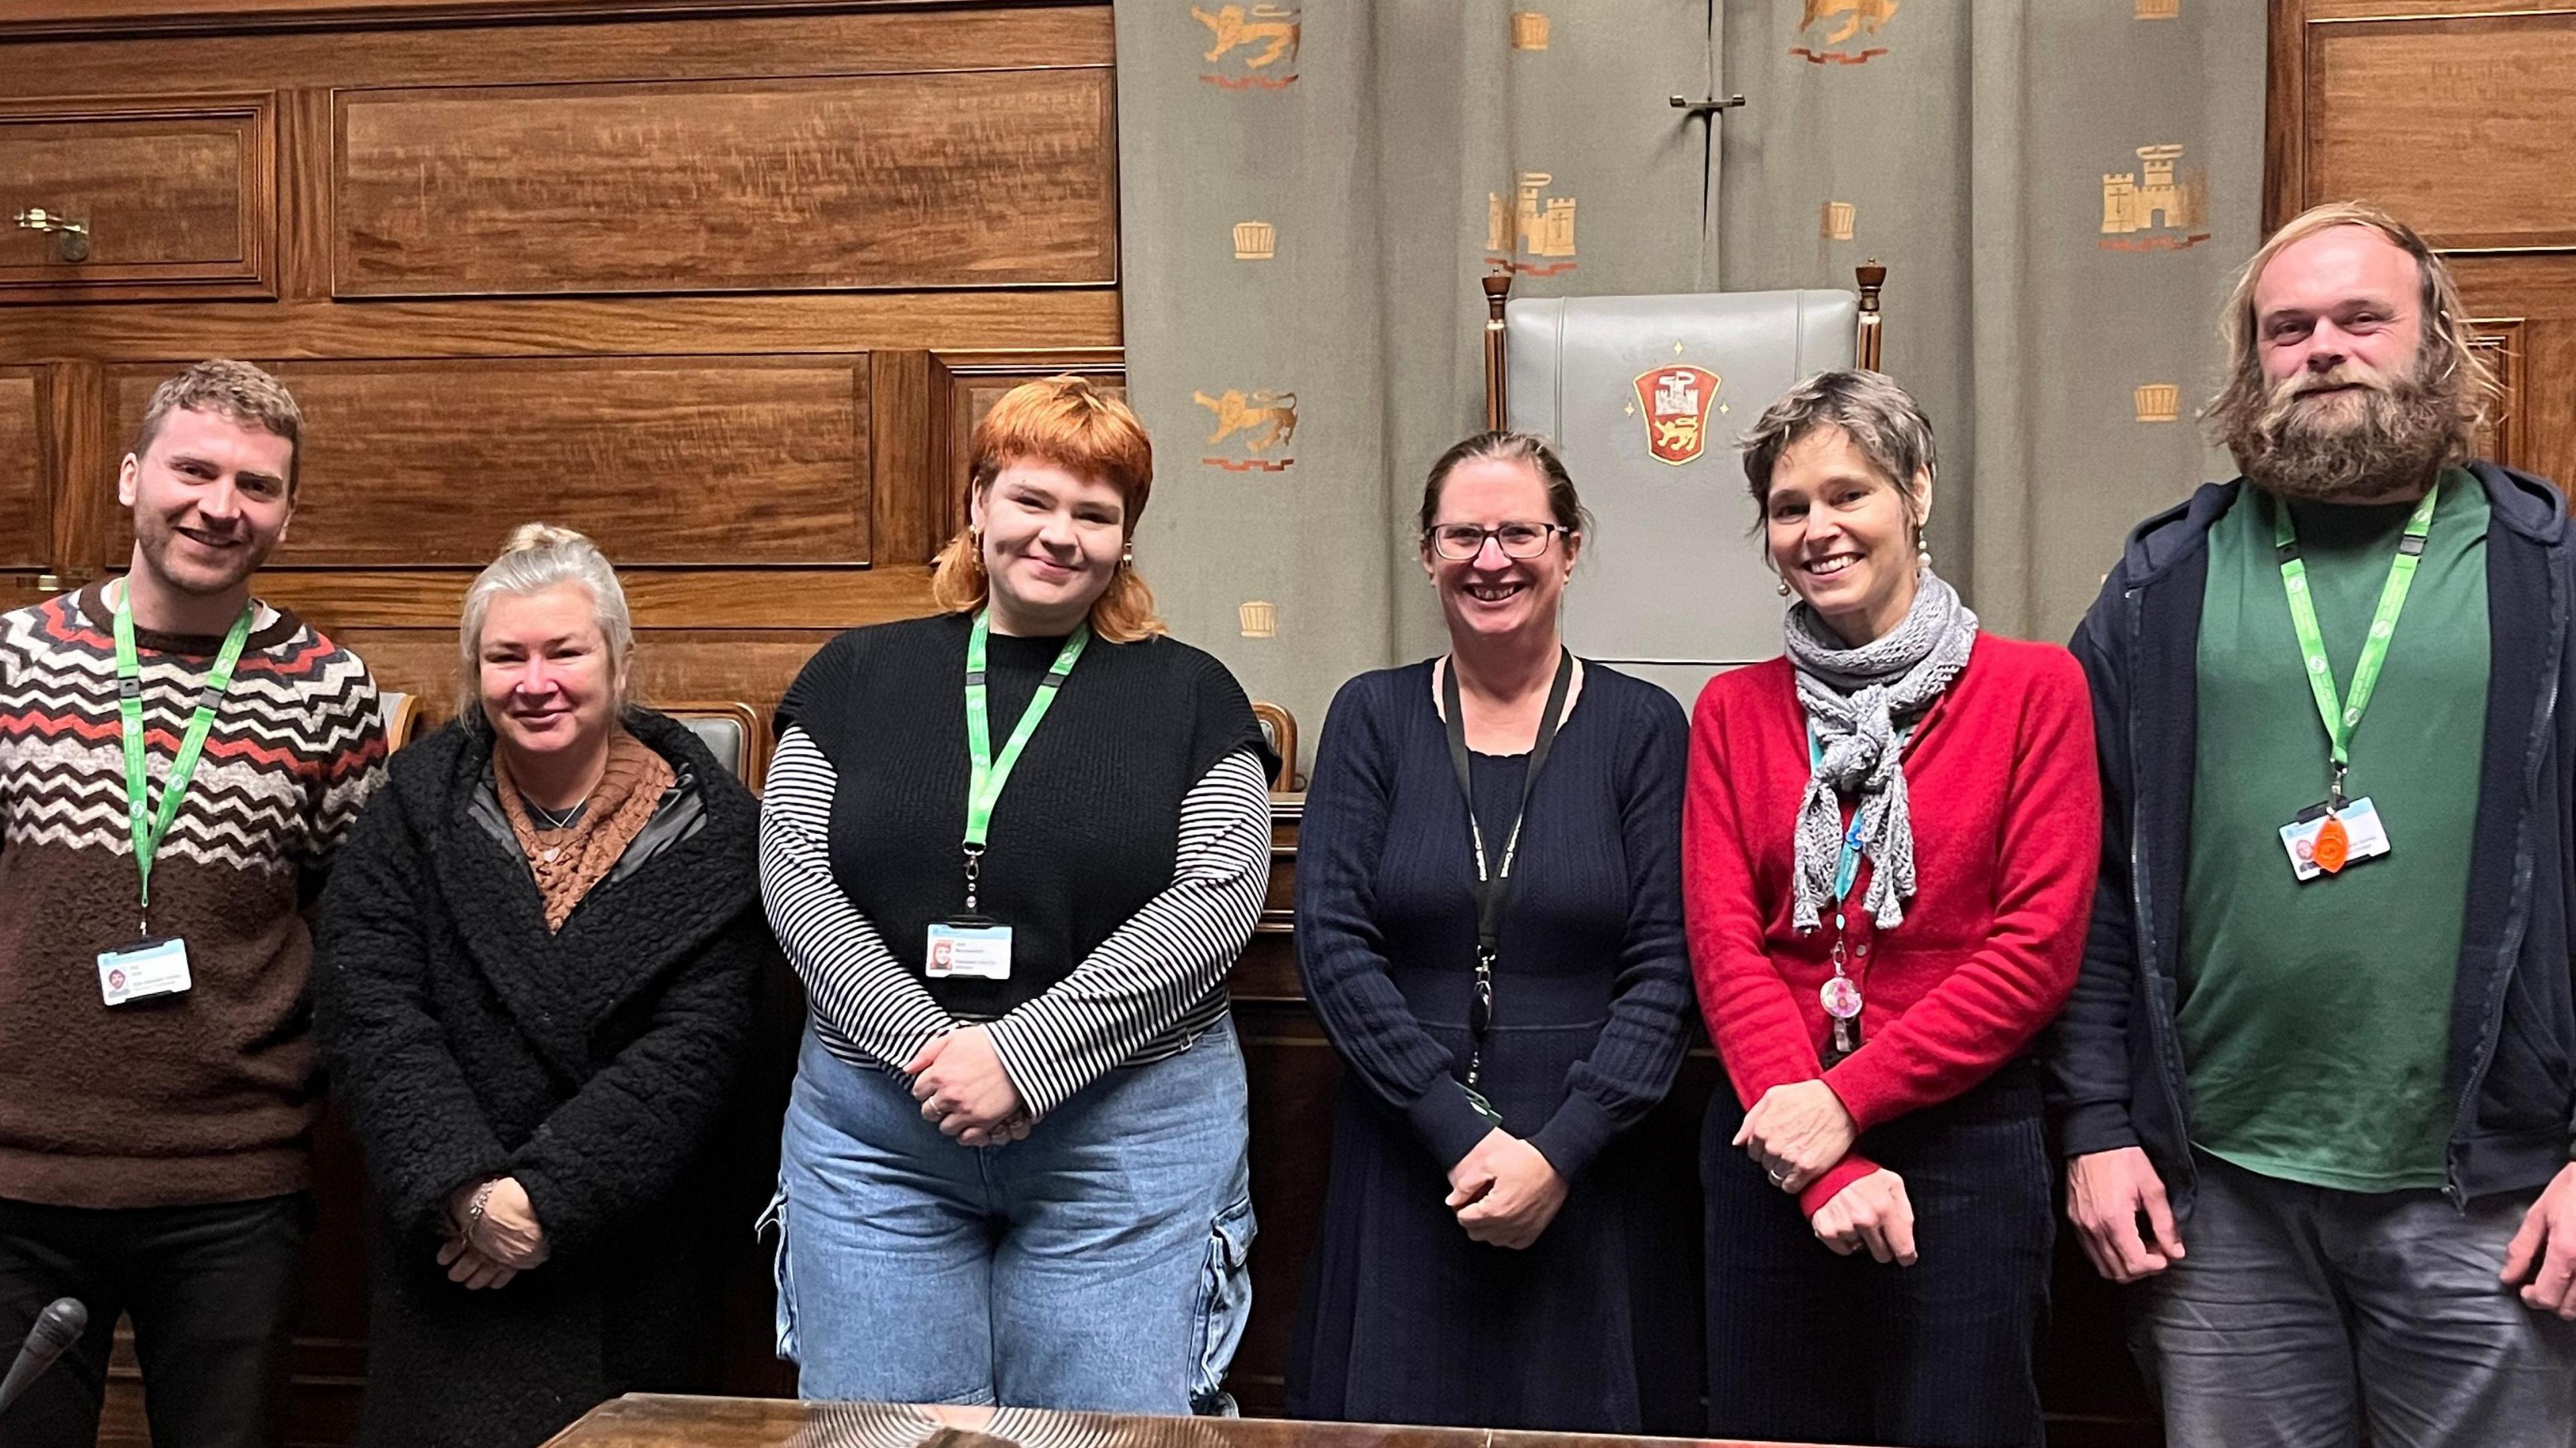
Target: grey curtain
(1310,192)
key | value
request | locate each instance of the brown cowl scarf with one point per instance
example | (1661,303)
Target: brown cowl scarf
(569,861)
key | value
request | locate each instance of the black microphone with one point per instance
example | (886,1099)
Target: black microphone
(57,1327)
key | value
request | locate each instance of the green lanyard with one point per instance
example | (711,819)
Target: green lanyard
(150,828)
(984,787)
(2342,718)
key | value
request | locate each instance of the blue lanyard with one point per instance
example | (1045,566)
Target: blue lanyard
(1847,866)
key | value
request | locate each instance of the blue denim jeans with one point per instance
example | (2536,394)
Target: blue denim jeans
(1097,1265)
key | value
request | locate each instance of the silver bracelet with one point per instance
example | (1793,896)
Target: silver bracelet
(482,1198)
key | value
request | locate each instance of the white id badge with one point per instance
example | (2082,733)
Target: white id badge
(978,950)
(2367,838)
(142,970)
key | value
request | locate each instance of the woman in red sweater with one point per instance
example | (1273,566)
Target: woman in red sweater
(1889,843)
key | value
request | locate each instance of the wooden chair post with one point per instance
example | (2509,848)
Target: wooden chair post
(1872,277)
(1498,290)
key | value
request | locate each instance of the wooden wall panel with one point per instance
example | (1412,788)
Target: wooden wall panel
(2507,438)
(673,461)
(968,179)
(26,484)
(179,196)
(2391,106)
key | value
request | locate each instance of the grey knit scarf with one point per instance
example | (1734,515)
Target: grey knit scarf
(1862,705)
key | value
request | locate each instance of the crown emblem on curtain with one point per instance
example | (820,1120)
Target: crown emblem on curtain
(1254,47)
(1248,426)
(1841,21)
(1675,402)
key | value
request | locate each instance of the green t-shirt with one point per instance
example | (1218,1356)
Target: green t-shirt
(2316,1017)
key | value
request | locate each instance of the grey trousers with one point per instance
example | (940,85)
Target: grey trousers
(2300,1309)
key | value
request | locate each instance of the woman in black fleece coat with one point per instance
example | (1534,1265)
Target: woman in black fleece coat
(594,1066)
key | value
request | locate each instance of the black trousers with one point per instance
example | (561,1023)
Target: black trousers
(212,1293)
(1806,1345)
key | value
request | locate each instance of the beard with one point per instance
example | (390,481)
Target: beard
(156,536)
(2381,436)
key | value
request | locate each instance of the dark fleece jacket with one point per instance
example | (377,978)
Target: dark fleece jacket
(596,1066)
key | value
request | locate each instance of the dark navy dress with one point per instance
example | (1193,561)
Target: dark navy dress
(1596,1327)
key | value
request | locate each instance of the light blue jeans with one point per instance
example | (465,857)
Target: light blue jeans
(1097,1265)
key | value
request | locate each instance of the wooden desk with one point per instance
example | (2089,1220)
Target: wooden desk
(647,1421)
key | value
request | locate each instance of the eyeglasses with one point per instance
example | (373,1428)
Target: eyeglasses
(1459,542)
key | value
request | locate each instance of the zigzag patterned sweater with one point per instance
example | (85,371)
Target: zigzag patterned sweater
(206,1096)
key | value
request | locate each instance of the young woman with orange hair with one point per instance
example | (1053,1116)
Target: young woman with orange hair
(1014,1165)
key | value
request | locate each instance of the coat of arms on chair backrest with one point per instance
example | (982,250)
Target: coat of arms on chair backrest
(1674,401)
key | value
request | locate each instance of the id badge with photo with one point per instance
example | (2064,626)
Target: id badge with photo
(2364,838)
(142,970)
(968,946)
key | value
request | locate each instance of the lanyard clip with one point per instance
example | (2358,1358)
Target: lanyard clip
(2334,790)
(974,867)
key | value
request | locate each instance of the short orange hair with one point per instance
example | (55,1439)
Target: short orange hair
(1072,424)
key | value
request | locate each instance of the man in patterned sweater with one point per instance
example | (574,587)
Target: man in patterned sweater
(156,1098)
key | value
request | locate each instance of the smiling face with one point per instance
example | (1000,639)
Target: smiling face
(547,680)
(1842,534)
(209,498)
(1493,593)
(1052,541)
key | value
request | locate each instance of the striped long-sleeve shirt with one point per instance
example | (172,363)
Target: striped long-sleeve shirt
(1142,994)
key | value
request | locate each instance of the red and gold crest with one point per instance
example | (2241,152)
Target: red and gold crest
(1676,400)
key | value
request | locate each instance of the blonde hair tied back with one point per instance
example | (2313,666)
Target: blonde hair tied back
(536,557)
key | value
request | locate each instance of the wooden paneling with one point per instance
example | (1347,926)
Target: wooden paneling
(26,484)
(672,461)
(660,599)
(968,179)
(2507,438)
(179,196)
(2392,106)
(748,39)
(815,322)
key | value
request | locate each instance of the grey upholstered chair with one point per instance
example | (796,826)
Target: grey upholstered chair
(1644,398)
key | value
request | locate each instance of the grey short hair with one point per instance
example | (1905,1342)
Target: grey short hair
(537,557)
(1882,419)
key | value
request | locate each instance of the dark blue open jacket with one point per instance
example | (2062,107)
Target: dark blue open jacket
(2115,1068)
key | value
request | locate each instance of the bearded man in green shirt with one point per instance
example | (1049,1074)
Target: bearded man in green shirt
(2325,1017)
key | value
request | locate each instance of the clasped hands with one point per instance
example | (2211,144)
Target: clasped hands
(1797,1132)
(1505,1191)
(963,1090)
(506,1241)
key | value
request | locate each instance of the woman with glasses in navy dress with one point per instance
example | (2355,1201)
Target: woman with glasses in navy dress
(1491,1222)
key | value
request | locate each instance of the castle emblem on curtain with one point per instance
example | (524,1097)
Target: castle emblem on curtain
(1252,47)
(1675,402)
(2154,208)
(1535,226)
(1834,25)
(1255,431)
